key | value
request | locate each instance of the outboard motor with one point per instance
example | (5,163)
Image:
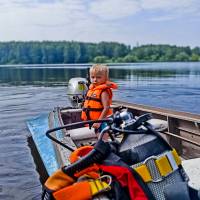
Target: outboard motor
(76,91)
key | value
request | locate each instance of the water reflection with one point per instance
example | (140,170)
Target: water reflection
(60,76)
(38,76)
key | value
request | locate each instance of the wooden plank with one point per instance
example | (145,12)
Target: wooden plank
(182,138)
(190,151)
(192,132)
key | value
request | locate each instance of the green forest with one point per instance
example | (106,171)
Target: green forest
(63,52)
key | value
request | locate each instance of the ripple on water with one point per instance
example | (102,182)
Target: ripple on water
(18,177)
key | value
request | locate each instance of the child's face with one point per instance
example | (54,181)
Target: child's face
(98,78)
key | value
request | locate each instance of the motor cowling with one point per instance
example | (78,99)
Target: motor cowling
(76,90)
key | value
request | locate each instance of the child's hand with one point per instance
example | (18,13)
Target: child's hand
(96,125)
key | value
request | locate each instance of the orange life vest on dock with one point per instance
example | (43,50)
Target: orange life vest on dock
(93,106)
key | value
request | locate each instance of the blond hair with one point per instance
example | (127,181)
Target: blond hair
(99,68)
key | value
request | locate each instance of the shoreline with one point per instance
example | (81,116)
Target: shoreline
(89,64)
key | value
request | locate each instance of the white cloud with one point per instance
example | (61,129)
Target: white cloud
(114,9)
(169,9)
(33,13)
(163,18)
(60,20)
(23,18)
(165,4)
(88,20)
(71,12)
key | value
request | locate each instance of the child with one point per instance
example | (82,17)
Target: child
(99,96)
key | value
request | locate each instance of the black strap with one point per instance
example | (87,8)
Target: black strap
(93,99)
(87,111)
(92,109)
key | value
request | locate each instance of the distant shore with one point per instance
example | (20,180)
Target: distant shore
(84,64)
(103,52)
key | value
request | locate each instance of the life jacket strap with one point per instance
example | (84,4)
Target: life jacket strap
(83,190)
(92,109)
(98,185)
(164,165)
(87,111)
(93,99)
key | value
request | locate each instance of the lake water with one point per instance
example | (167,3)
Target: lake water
(27,91)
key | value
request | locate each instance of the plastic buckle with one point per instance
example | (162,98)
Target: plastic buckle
(107,179)
(171,160)
(146,161)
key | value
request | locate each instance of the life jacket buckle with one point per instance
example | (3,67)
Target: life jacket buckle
(100,185)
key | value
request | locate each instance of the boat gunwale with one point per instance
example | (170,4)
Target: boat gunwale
(161,111)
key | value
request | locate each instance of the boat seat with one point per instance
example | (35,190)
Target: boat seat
(82,133)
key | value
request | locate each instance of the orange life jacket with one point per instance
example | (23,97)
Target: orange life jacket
(62,187)
(93,106)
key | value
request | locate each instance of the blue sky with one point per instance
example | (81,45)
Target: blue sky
(175,22)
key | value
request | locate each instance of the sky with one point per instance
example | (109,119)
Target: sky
(132,22)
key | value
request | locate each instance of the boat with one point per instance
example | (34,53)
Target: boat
(56,135)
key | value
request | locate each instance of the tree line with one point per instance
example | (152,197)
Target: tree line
(50,52)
